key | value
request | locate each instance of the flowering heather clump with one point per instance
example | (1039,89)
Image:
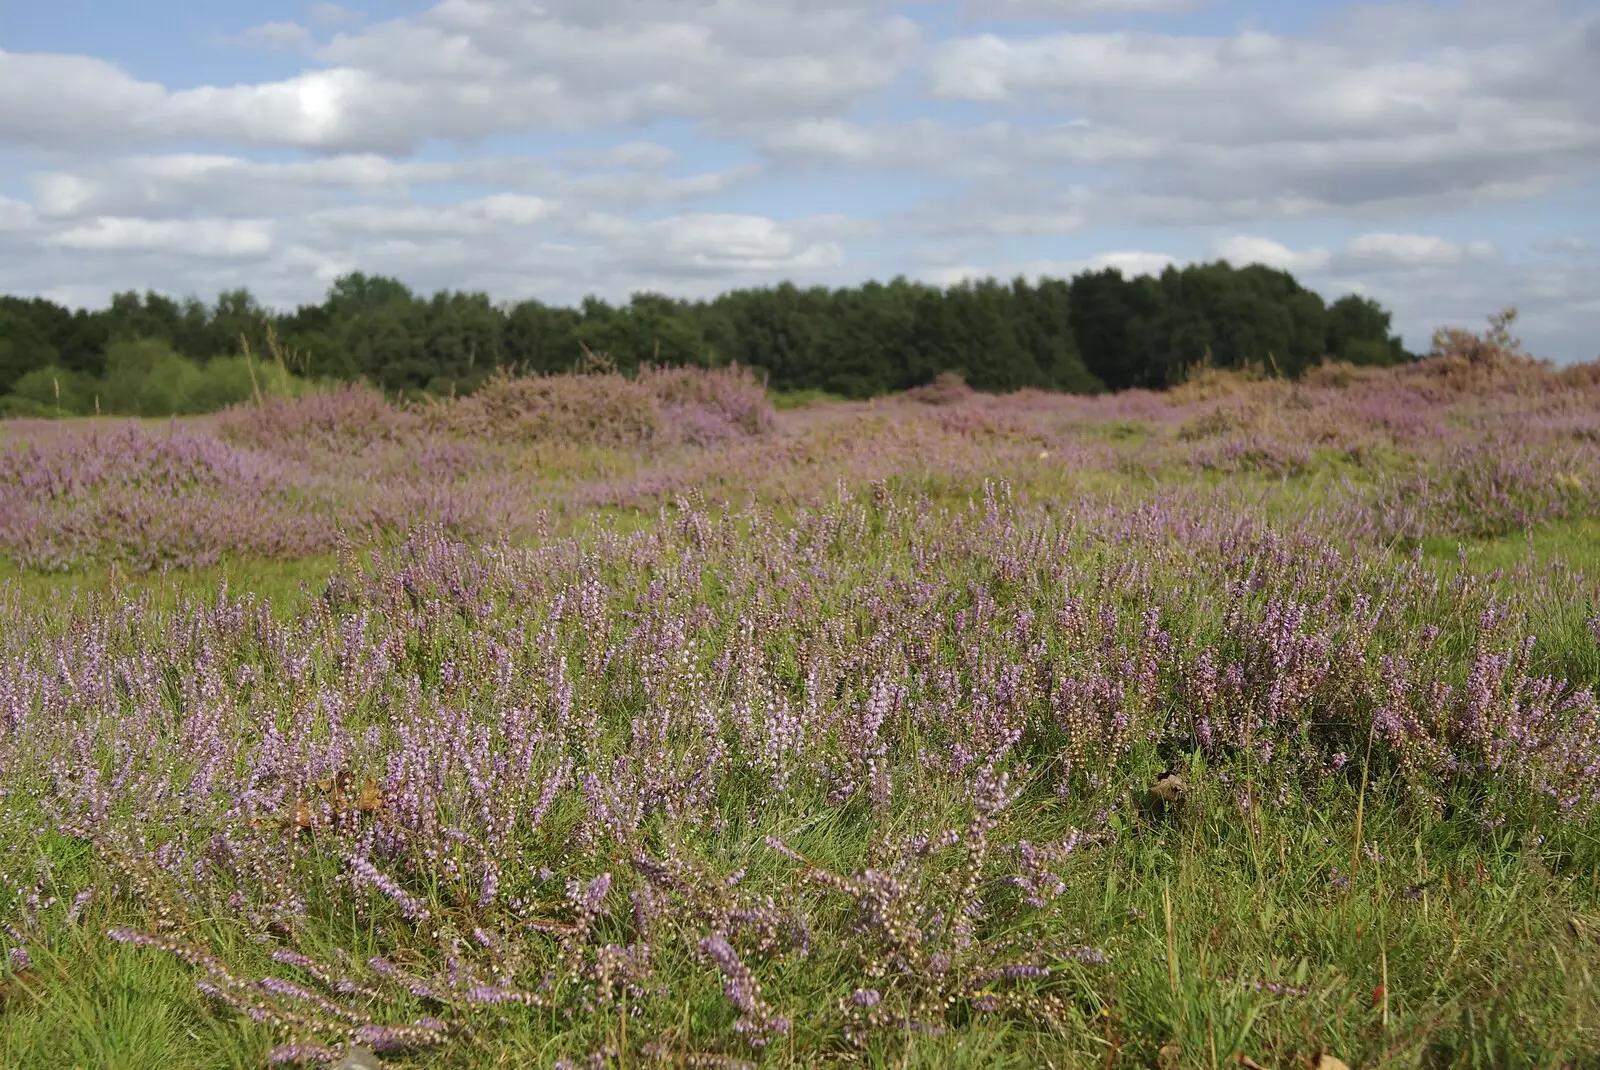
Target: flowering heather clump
(691,405)
(605,409)
(1484,489)
(147,497)
(343,421)
(1255,453)
(705,407)
(908,731)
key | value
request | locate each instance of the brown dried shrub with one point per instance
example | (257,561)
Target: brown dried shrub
(947,388)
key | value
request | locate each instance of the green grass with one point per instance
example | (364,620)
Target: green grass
(784,400)
(282,583)
(1575,543)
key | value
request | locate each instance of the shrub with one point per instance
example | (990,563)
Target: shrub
(341,421)
(708,406)
(52,389)
(663,405)
(947,388)
(12,407)
(227,381)
(1205,382)
(606,409)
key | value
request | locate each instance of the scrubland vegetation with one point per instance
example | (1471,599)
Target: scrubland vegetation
(625,720)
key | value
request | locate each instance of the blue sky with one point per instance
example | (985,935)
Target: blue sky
(1443,157)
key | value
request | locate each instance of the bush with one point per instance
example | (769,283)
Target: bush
(13,407)
(704,406)
(226,381)
(663,405)
(57,389)
(947,388)
(129,364)
(606,409)
(344,420)
(145,377)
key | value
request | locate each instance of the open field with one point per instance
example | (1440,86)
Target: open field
(607,722)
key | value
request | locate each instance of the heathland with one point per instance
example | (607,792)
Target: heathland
(630,720)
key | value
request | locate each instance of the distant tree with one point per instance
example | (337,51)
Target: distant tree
(1096,331)
(23,347)
(1118,326)
(650,329)
(1044,327)
(541,338)
(1358,331)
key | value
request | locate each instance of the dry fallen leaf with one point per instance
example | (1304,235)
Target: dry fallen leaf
(358,1058)
(1169,1057)
(1328,1062)
(370,799)
(1170,788)
(1245,1061)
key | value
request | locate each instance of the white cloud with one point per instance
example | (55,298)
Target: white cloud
(469,217)
(1244,249)
(1072,9)
(1337,122)
(829,139)
(182,184)
(466,69)
(279,35)
(735,244)
(1404,250)
(1131,262)
(324,14)
(1030,147)
(89,100)
(1374,252)
(15,216)
(207,238)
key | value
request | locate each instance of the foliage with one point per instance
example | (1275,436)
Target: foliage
(1094,332)
(146,377)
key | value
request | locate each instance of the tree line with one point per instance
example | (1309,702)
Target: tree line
(1097,331)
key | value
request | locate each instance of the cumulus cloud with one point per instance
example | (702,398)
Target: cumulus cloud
(1336,122)
(278,35)
(705,131)
(1411,250)
(182,184)
(222,238)
(1072,9)
(1131,262)
(1378,251)
(466,69)
(1246,249)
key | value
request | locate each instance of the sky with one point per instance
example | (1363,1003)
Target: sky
(1440,157)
